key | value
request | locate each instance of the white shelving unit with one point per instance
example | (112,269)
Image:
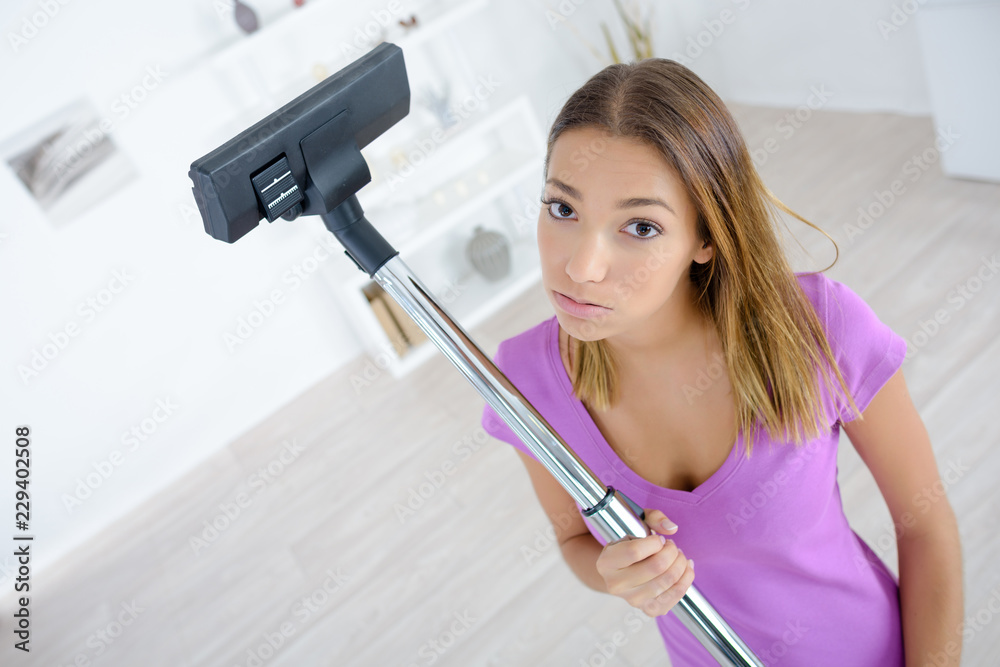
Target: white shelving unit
(292,52)
(492,191)
(433,182)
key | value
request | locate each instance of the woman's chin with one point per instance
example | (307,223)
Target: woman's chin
(581,329)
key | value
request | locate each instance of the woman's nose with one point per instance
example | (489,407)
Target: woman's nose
(588,260)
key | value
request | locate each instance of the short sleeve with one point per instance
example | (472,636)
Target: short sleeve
(866,349)
(491,421)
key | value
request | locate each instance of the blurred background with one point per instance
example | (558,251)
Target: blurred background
(172,383)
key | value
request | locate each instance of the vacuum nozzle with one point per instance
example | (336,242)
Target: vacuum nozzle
(305,158)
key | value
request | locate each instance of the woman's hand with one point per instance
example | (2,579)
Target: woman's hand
(649,573)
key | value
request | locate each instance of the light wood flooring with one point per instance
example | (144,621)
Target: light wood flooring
(322,553)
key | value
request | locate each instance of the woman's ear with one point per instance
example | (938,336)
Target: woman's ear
(704,253)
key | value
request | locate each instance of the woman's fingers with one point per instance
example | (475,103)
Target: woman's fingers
(659,522)
(619,556)
(650,573)
(666,591)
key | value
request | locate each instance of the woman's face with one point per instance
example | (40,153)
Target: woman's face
(616,234)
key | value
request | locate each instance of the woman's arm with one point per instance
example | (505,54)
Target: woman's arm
(892,440)
(579,548)
(649,573)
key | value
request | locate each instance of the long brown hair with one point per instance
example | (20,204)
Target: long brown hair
(775,348)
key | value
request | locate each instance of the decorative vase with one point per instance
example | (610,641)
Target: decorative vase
(246,17)
(489,254)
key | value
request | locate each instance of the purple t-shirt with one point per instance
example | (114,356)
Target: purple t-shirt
(774,551)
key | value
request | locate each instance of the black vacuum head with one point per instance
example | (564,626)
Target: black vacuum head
(305,158)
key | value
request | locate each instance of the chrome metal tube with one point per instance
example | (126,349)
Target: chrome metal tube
(605,508)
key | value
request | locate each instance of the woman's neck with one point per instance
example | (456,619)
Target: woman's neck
(676,331)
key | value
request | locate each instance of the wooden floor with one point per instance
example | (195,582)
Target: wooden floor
(385,530)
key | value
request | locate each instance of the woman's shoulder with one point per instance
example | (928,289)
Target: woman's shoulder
(816,287)
(837,306)
(865,347)
(528,349)
(527,361)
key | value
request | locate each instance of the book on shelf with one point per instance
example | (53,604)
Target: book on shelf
(402,331)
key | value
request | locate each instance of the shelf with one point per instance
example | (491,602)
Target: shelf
(435,17)
(455,152)
(290,54)
(412,242)
(479,300)
(481,179)
(428,195)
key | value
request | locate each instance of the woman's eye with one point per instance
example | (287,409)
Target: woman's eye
(560,210)
(643,230)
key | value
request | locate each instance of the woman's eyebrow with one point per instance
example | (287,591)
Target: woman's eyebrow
(568,189)
(631,202)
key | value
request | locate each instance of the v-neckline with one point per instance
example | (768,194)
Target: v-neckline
(694,496)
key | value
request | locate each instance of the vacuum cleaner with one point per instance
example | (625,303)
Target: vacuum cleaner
(305,159)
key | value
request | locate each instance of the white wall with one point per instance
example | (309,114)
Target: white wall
(161,337)
(769,52)
(962,37)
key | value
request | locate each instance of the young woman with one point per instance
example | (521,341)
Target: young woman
(690,368)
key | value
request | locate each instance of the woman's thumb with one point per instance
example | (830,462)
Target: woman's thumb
(659,522)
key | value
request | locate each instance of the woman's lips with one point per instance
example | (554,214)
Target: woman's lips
(578,309)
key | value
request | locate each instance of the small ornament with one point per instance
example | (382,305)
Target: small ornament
(489,254)
(246,17)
